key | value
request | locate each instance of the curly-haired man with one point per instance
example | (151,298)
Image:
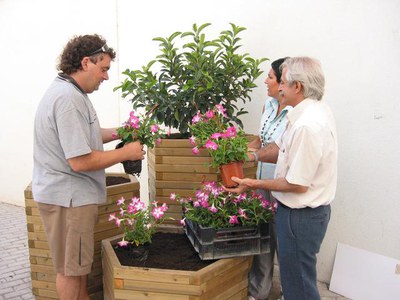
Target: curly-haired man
(69,161)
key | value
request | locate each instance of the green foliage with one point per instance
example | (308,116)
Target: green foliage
(199,75)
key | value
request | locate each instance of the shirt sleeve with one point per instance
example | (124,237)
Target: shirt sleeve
(73,136)
(304,156)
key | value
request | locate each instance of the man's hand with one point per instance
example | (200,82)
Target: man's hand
(243,185)
(134,151)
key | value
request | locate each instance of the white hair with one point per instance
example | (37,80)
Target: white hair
(308,72)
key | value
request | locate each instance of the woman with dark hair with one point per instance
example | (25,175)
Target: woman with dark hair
(272,124)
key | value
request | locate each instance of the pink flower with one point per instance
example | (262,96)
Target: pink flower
(154,128)
(210,114)
(117,222)
(196,118)
(242,213)
(211,145)
(157,213)
(195,150)
(121,201)
(111,217)
(233,220)
(231,131)
(135,199)
(192,140)
(213,209)
(172,196)
(139,206)
(123,243)
(131,209)
(182,222)
(221,110)
(216,135)
(164,207)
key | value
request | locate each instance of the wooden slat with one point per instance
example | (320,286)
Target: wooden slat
(185,160)
(193,177)
(179,152)
(129,295)
(161,287)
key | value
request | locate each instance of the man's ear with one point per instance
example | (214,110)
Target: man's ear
(299,87)
(84,62)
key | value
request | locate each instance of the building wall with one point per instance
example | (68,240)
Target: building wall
(357,42)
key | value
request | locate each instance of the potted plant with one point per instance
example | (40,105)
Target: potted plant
(226,144)
(138,127)
(221,224)
(139,223)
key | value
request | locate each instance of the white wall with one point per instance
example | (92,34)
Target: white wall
(357,42)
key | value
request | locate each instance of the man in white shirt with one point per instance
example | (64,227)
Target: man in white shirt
(305,176)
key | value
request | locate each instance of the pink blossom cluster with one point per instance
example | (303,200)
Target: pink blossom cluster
(211,144)
(213,198)
(131,212)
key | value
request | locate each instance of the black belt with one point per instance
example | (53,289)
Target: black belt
(287,207)
(284,206)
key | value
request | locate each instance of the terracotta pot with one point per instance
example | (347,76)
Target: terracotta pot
(233,169)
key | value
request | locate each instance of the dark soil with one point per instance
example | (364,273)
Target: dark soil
(114,180)
(167,251)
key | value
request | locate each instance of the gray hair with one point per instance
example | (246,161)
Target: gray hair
(308,72)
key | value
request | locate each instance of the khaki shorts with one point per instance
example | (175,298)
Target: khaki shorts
(70,234)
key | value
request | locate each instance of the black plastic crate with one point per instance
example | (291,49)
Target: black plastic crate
(229,242)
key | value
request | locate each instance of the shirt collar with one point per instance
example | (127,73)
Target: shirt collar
(68,78)
(295,113)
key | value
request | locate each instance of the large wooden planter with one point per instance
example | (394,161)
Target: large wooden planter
(173,168)
(223,279)
(42,271)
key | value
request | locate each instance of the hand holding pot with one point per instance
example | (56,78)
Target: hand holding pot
(134,151)
(243,185)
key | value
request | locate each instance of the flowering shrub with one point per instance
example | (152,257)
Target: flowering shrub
(142,128)
(224,142)
(213,207)
(138,221)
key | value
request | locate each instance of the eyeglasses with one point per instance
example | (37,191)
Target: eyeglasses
(103,49)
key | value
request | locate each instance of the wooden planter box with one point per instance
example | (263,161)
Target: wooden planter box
(223,279)
(173,168)
(42,272)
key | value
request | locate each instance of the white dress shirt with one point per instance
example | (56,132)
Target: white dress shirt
(308,155)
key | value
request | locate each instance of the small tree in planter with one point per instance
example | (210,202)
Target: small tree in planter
(195,78)
(175,86)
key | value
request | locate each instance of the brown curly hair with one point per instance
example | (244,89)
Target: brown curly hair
(79,47)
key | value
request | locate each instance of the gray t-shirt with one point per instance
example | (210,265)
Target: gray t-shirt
(66,126)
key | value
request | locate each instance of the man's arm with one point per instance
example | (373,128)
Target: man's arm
(278,185)
(269,153)
(109,134)
(97,160)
